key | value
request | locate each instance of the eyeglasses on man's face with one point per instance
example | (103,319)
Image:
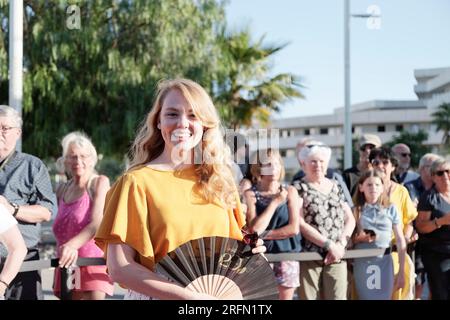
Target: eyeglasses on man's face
(6,129)
(404,155)
(440,173)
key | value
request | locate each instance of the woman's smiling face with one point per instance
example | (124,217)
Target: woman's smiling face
(179,126)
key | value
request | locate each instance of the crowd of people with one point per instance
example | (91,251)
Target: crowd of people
(182,184)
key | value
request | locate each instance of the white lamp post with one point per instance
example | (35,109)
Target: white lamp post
(347,117)
(16,57)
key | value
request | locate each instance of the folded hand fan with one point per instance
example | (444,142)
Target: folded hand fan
(222,267)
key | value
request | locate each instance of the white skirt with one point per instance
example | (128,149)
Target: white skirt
(133,295)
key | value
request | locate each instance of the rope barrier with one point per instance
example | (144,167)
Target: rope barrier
(69,275)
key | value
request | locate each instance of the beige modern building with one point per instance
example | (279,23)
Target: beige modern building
(385,118)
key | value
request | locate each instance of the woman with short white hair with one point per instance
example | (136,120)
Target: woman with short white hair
(81,201)
(326,224)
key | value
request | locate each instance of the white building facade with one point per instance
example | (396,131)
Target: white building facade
(385,118)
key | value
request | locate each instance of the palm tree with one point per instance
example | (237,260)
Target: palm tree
(441,118)
(244,91)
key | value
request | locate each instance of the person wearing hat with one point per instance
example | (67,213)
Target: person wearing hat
(367,142)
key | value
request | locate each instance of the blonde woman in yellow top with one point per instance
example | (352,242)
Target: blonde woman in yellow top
(179,188)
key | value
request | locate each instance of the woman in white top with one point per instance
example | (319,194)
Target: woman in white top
(12,239)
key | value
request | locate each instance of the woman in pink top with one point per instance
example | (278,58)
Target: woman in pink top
(80,210)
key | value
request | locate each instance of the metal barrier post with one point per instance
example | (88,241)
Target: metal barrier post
(66,288)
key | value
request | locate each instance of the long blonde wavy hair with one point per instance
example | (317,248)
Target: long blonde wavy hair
(215,180)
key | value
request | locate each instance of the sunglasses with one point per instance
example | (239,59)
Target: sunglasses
(309,146)
(404,155)
(440,173)
(365,146)
(377,162)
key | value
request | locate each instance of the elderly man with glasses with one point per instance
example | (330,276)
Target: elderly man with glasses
(402,173)
(26,192)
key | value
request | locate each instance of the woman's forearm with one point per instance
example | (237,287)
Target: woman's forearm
(401,247)
(17,250)
(349,224)
(85,235)
(312,234)
(12,265)
(138,278)
(261,222)
(284,232)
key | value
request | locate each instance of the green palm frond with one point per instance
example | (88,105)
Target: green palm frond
(441,118)
(246,91)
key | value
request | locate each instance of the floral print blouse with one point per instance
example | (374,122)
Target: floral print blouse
(324,212)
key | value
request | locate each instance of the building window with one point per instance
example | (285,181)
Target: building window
(353,129)
(415,128)
(307,132)
(399,127)
(283,153)
(290,153)
(381,128)
(323,130)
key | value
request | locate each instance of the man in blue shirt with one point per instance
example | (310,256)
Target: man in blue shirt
(26,192)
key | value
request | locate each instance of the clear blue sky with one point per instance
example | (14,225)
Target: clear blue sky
(414,34)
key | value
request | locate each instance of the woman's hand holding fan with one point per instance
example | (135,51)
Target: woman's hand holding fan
(222,268)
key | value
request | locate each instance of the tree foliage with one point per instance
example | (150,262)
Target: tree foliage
(245,89)
(441,118)
(101,77)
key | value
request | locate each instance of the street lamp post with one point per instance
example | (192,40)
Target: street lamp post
(16,57)
(347,117)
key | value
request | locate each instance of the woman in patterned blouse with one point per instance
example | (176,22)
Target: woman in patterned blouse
(326,224)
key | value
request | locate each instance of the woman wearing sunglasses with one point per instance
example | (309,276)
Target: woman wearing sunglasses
(433,223)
